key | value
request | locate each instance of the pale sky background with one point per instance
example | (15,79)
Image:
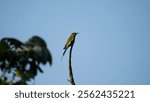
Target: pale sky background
(113,46)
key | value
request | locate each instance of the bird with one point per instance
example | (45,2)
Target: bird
(69,42)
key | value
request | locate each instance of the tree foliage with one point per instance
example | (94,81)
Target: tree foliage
(20,62)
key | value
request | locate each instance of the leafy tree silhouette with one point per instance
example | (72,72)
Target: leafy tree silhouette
(20,62)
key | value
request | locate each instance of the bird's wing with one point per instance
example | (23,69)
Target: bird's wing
(68,42)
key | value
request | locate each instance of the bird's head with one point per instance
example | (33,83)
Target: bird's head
(74,33)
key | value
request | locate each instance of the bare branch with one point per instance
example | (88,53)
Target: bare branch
(70,68)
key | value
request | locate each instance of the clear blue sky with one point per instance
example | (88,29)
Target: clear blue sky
(113,46)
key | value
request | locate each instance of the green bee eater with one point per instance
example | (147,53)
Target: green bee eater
(69,42)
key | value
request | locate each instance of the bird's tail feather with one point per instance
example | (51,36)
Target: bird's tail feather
(63,53)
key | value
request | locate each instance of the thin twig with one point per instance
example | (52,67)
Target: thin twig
(70,68)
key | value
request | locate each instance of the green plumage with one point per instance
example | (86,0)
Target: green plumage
(69,42)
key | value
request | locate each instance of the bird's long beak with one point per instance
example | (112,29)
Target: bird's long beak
(77,32)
